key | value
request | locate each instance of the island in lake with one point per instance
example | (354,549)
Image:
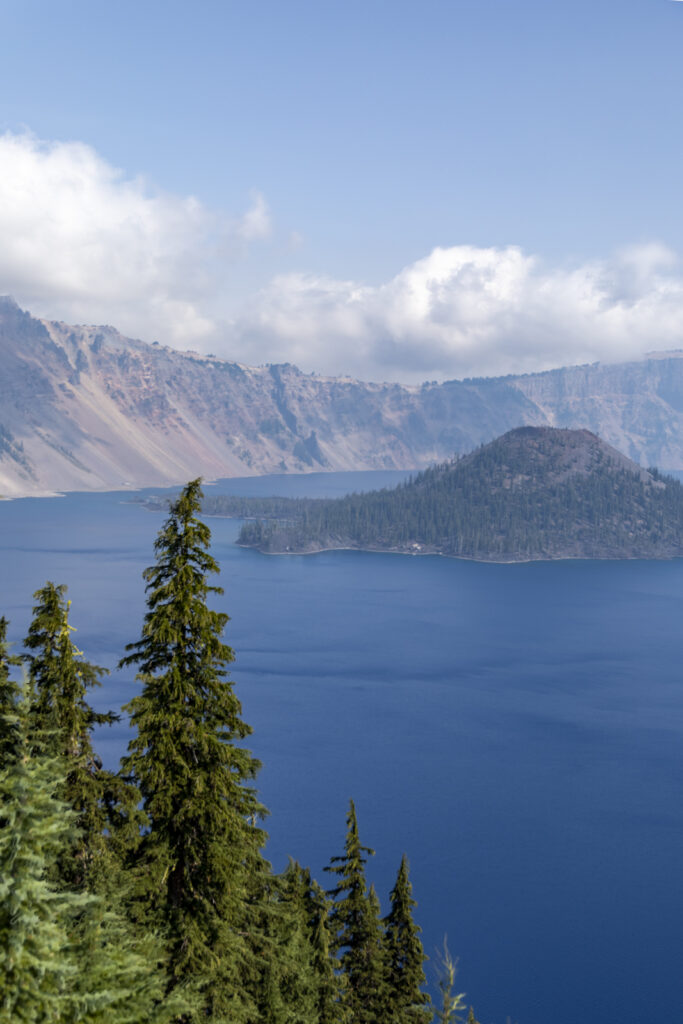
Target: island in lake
(534,493)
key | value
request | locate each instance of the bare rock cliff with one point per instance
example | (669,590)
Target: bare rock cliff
(84,408)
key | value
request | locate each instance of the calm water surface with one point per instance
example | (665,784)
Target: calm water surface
(518,730)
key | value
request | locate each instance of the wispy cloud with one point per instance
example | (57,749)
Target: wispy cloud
(255,223)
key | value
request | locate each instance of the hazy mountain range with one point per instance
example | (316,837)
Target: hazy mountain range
(84,408)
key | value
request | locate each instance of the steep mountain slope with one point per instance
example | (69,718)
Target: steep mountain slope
(83,408)
(637,407)
(536,492)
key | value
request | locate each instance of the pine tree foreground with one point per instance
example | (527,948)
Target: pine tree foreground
(63,721)
(202,851)
(114,915)
(407,1003)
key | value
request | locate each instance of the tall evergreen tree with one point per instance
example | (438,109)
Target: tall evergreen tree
(63,721)
(356,931)
(204,869)
(407,1003)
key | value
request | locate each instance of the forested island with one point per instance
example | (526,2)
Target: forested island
(534,493)
(143,895)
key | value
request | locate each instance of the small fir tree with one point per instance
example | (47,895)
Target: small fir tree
(377,958)
(60,677)
(407,1003)
(356,931)
(62,720)
(204,871)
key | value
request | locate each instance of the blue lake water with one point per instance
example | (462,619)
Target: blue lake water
(518,730)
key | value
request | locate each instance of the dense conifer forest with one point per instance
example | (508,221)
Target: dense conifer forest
(536,492)
(144,895)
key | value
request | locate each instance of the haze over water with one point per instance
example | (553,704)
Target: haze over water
(518,730)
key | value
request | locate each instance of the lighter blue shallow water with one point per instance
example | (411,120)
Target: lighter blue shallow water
(518,730)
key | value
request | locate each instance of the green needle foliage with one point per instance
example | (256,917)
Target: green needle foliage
(356,930)
(120,979)
(63,722)
(9,692)
(202,851)
(36,968)
(60,678)
(328,984)
(407,1003)
(64,957)
(289,992)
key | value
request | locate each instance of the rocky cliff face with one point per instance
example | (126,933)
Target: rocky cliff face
(83,408)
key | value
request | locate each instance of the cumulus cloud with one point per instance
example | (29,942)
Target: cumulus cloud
(465,311)
(83,243)
(80,241)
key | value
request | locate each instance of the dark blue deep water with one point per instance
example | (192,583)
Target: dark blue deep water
(518,730)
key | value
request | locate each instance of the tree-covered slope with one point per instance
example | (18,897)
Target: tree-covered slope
(535,492)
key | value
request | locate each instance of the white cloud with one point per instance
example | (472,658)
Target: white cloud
(81,242)
(465,311)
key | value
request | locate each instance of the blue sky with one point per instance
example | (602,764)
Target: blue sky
(390,189)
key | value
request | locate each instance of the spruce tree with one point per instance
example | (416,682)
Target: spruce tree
(356,931)
(60,677)
(203,868)
(407,1003)
(62,721)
